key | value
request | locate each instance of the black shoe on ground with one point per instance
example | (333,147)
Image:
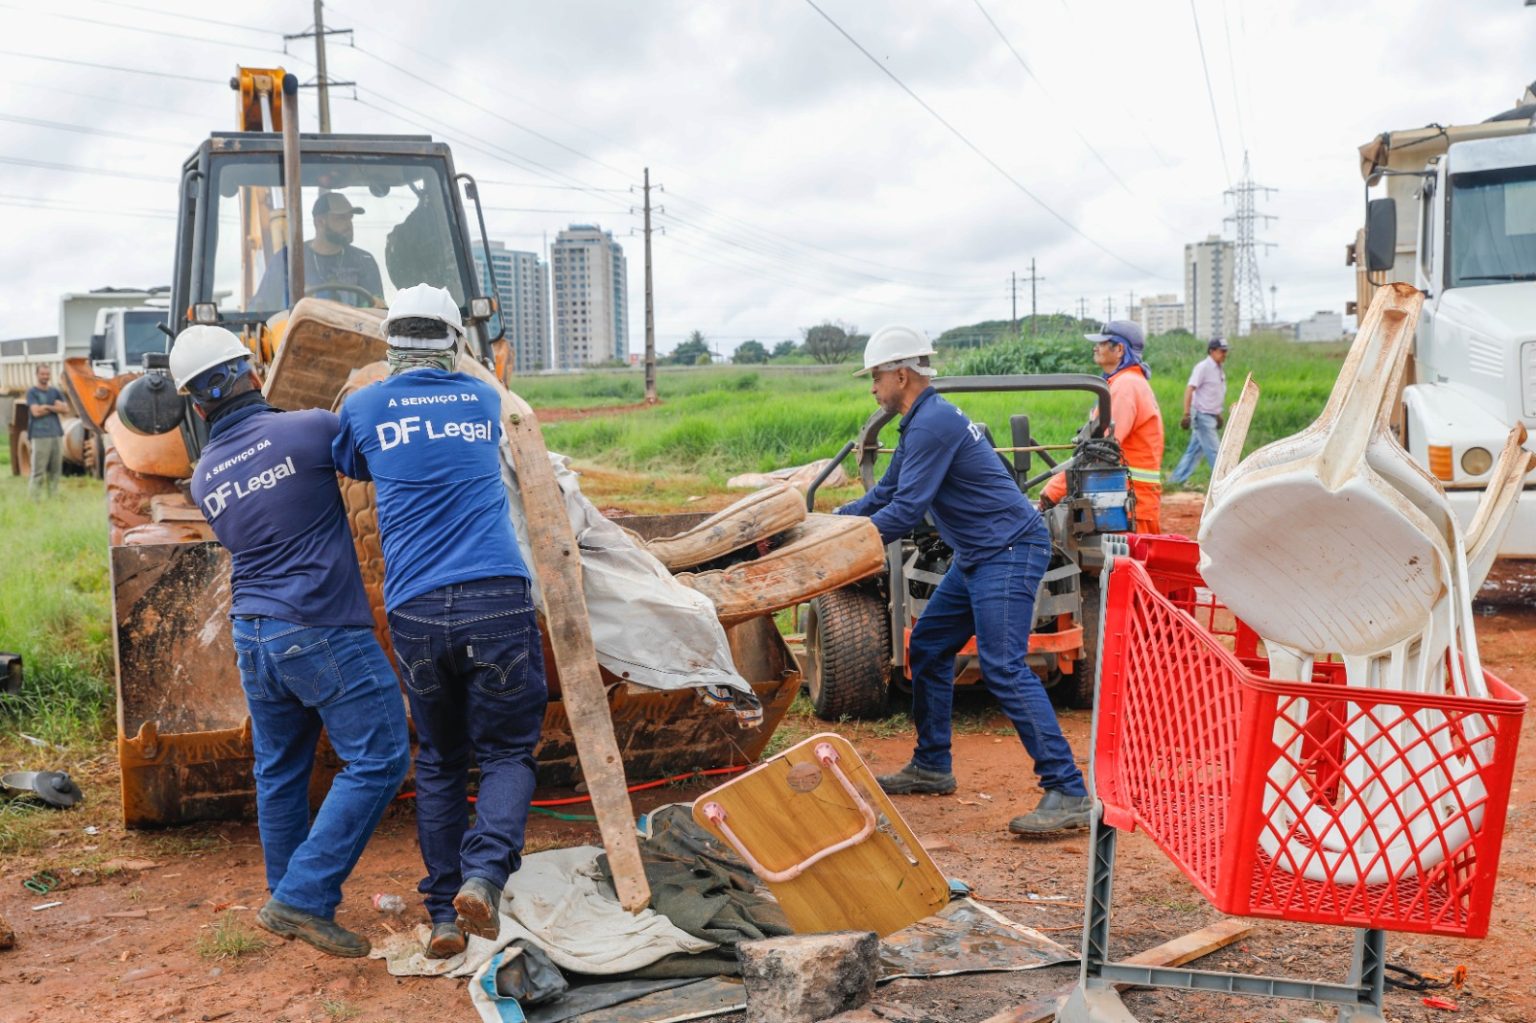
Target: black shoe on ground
(446,942)
(1056,814)
(326,935)
(914,780)
(476,905)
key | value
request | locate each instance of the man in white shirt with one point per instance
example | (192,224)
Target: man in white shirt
(1205,402)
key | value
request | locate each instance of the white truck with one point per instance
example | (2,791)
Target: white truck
(1458,221)
(111,329)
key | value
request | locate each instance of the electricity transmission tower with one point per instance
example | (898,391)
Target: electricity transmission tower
(1249,286)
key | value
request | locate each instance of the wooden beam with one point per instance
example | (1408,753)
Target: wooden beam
(1181,950)
(557,563)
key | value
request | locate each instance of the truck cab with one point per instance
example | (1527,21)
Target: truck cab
(1457,219)
(124,336)
(1475,351)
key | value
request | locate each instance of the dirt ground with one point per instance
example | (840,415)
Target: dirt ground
(139,941)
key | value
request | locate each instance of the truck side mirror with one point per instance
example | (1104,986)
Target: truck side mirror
(1380,234)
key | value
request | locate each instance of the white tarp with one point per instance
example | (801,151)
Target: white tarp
(648,628)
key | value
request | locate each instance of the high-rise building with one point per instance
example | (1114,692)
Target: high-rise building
(520,282)
(1210,304)
(1158,314)
(591,304)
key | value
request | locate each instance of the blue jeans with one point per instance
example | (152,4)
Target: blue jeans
(1202,441)
(473,666)
(995,602)
(296,680)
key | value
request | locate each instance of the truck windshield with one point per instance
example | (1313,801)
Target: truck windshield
(1493,227)
(141,334)
(372,225)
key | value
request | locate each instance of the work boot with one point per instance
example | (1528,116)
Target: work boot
(476,905)
(446,942)
(326,935)
(912,780)
(1056,814)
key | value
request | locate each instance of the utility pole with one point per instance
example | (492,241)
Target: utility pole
(1082,308)
(322,82)
(650,305)
(1014,278)
(1109,308)
(1034,309)
(1274,306)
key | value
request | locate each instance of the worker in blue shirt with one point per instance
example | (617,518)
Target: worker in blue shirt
(944,466)
(303,635)
(460,607)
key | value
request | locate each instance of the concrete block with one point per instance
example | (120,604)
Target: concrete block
(808,977)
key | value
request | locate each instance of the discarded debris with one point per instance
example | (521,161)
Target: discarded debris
(808,977)
(392,904)
(54,788)
(45,905)
(1437,1002)
(129,863)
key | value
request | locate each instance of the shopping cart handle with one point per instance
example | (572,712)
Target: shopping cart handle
(715,814)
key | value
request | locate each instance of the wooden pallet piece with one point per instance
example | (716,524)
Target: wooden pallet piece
(789,807)
(1184,949)
(557,563)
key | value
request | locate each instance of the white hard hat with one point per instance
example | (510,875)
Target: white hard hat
(894,343)
(427,301)
(201,347)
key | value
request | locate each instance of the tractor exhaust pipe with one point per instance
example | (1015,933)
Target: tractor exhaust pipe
(292,191)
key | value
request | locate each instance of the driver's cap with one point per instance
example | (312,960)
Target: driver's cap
(333,202)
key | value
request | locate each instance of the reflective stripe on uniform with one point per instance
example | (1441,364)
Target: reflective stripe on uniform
(1145,475)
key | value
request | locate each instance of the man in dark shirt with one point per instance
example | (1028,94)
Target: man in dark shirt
(330,258)
(943,466)
(303,635)
(460,606)
(45,434)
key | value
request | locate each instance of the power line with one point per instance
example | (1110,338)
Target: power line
(202,40)
(18,161)
(115,100)
(185,17)
(115,67)
(1036,79)
(1237,101)
(82,129)
(1210,93)
(976,149)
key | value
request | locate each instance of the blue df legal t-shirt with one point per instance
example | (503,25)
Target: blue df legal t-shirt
(429,440)
(266,484)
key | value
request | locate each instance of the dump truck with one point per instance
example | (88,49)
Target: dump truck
(1455,216)
(184,741)
(102,333)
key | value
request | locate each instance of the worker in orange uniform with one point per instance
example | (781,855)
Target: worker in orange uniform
(1138,422)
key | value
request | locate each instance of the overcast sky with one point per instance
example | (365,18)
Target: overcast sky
(801,182)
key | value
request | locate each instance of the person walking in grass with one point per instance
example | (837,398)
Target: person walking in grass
(1205,404)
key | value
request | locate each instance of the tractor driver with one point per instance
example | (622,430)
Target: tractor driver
(943,466)
(334,268)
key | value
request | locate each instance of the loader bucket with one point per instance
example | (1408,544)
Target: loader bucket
(184,740)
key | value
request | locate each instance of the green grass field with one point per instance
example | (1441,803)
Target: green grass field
(716,422)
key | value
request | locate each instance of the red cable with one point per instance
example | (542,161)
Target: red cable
(573,800)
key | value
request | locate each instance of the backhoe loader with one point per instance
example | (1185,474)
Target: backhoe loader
(246,200)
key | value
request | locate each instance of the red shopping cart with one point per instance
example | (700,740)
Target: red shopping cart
(1306,801)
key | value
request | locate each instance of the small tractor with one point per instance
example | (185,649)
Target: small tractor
(856,638)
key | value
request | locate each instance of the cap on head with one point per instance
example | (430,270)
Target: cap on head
(1217,342)
(202,347)
(894,343)
(333,202)
(424,301)
(1125,332)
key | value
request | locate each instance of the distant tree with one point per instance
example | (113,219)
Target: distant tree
(784,349)
(689,351)
(829,342)
(750,352)
(704,359)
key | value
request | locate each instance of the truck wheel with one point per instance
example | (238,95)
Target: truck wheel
(848,654)
(90,455)
(1077,687)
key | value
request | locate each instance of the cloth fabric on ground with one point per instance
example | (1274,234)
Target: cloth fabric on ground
(967,937)
(683,644)
(701,886)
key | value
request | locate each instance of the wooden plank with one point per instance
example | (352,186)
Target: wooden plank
(755,517)
(790,807)
(1181,950)
(557,563)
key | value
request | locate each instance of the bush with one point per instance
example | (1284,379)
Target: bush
(1061,354)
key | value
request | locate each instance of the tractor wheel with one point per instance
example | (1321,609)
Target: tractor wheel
(1077,687)
(848,654)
